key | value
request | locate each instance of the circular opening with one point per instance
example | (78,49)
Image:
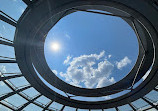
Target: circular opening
(91,50)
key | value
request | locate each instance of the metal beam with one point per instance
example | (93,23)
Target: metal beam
(83,10)
(24,105)
(138,70)
(7,16)
(9,85)
(12,73)
(6,105)
(27,2)
(26,97)
(6,39)
(14,92)
(6,43)
(138,35)
(150,103)
(47,106)
(7,61)
(155,89)
(117,109)
(62,109)
(6,57)
(148,109)
(21,94)
(10,77)
(7,20)
(131,105)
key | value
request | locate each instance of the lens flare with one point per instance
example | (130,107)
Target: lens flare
(55,46)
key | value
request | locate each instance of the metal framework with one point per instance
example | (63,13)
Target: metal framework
(150,103)
(139,20)
(4,17)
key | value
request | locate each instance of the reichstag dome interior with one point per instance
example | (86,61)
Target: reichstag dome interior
(78,55)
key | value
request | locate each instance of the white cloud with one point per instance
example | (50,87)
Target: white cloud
(55,72)
(75,84)
(109,56)
(67,60)
(89,70)
(104,81)
(68,36)
(122,63)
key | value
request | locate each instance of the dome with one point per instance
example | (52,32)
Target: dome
(78,55)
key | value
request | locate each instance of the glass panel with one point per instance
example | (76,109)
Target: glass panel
(103,98)
(153,96)
(69,108)
(83,110)
(96,110)
(125,108)
(111,109)
(138,83)
(144,108)
(31,92)
(44,100)
(146,75)
(55,105)
(16,100)
(3,108)
(14,8)
(9,68)
(8,52)
(6,30)
(32,107)
(4,89)
(118,94)
(139,103)
(19,82)
(153,109)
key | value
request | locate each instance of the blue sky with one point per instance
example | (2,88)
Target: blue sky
(84,36)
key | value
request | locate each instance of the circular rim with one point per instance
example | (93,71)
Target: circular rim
(42,67)
(24,59)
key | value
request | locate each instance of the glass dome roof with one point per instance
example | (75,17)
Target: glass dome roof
(28,83)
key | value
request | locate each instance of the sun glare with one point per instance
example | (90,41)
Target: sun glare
(55,46)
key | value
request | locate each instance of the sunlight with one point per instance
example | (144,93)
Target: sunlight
(55,46)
